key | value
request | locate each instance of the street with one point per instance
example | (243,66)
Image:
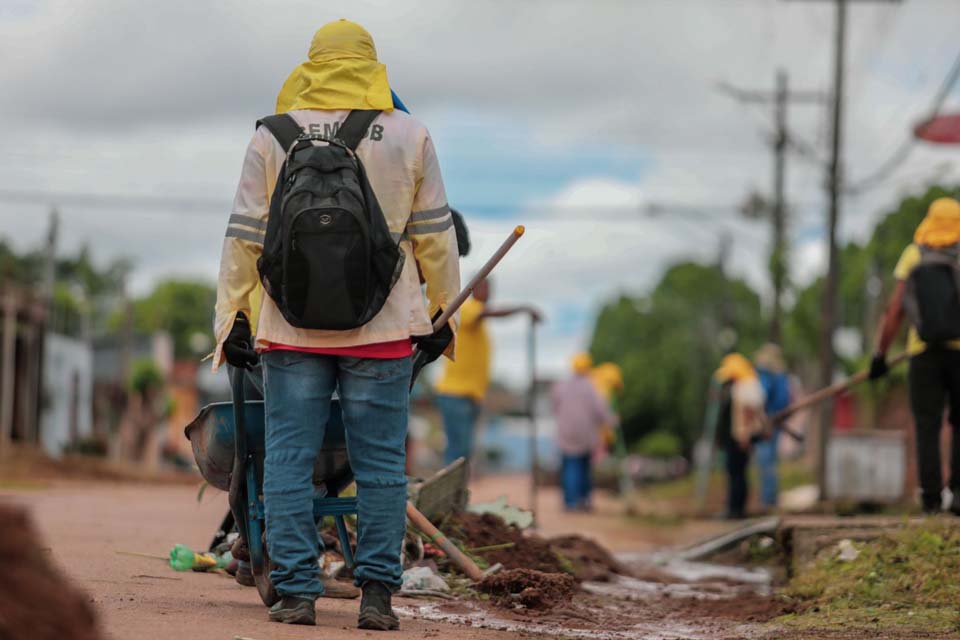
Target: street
(86,525)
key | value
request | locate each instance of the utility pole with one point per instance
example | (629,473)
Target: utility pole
(781,96)
(828,315)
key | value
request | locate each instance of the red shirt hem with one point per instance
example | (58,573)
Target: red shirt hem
(379,351)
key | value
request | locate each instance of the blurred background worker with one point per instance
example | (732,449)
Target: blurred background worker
(463,384)
(927,291)
(776,386)
(740,420)
(607,379)
(580,412)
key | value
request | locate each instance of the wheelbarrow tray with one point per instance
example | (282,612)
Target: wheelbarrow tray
(212,434)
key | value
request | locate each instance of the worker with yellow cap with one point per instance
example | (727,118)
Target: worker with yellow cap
(927,292)
(607,378)
(463,384)
(740,423)
(580,411)
(340,97)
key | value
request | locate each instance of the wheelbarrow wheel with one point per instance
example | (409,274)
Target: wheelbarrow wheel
(268,593)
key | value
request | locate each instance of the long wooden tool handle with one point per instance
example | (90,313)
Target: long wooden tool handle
(484,271)
(468,566)
(832,390)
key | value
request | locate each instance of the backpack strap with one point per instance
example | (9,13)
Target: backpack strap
(355,126)
(283,127)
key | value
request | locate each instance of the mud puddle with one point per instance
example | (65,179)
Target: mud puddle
(663,599)
(483,619)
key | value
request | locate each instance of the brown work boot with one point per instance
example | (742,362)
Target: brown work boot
(333,588)
(294,610)
(375,611)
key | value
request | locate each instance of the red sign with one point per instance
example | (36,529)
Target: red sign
(939,129)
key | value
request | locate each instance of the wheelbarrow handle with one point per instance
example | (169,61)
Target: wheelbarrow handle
(238,475)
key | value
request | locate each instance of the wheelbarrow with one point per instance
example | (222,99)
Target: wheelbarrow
(228,440)
(228,445)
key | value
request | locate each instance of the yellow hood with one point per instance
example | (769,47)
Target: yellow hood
(941,226)
(607,378)
(733,368)
(342,72)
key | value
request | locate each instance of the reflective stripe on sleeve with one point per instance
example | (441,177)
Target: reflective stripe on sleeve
(429,214)
(248,221)
(434,227)
(246,234)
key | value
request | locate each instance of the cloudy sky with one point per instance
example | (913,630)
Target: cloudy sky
(570,117)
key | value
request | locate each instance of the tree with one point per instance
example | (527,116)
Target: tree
(24,269)
(669,343)
(860,264)
(183,308)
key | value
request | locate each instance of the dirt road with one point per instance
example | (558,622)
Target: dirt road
(84,525)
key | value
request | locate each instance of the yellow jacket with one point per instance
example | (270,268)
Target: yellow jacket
(404,173)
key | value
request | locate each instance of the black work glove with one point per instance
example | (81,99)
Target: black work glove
(433,345)
(430,347)
(238,347)
(878,366)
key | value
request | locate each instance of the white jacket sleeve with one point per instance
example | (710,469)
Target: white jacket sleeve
(242,245)
(434,239)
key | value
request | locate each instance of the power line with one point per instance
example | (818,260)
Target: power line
(906,147)
(178,205)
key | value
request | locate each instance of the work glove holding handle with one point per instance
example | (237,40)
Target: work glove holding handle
(430,347)
(433,345)
(878,366)
(238,347)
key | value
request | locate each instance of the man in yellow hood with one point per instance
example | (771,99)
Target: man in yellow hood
(369,366)
(927,292)
(740,422)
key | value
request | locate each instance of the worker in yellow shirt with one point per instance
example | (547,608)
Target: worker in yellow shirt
(463,384)
(927,293)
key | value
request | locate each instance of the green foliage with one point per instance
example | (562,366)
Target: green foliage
(859,264)
(25,269)
(667,346)
(145,376)
(659,444)
(181,307)
(95,282)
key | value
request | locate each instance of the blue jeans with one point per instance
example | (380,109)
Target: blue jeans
(576,480)
(374,398)
(460,415)
(765,452)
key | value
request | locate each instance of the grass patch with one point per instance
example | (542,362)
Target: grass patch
(905,580)
(792,474)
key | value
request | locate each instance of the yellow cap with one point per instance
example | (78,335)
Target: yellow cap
(582,363)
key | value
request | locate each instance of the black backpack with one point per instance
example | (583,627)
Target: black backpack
(932,295)
(329,261)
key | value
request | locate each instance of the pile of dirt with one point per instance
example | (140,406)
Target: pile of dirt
(474,531)
(591,562)
(36,601)
(532,589)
